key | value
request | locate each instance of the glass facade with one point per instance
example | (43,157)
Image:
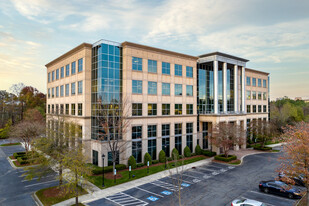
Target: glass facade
(220,87)
(230,88)
(137,143)
(178,139)
(205,89)
(106,86)
(189,131)
(166,139)
(152,142)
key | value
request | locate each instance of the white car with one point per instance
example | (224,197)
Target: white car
(246,202)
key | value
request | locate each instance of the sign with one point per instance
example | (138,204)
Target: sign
(185,184)
(130,168)
(165,192)
(152,198)
(147,163)
(115,172)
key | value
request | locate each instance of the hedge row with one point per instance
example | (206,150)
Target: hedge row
(99,170)
(19,154)
(208,153)
(225,159)
(258,147)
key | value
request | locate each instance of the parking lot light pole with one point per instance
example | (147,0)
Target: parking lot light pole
(103,171)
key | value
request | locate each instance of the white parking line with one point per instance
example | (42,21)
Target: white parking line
(124,199)
(41,183)
(165,185)
(258,200)
(202,168)
(181,180)
(149,192)
(36,178)
(194,171)
(273,196)
(190,176)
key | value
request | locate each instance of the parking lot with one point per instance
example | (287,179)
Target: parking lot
(211,184)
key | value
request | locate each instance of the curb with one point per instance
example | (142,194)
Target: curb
(36,199)
(12,164)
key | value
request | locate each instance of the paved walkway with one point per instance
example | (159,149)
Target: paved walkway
(244,152)
(128,185)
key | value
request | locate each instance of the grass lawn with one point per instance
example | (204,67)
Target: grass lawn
(52,195)
(139,173)
(10,144)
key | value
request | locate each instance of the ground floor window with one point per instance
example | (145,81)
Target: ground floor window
(110,158)
(178,144)
(190,142)
(95,157)
(205,135)
(166,144)
(152,148)
(137,151)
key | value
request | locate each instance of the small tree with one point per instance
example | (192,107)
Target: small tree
(198,150)
(295,159)
(187,152)
(132,162)
(227,135)
(147,158)
(162,156)
(175,154)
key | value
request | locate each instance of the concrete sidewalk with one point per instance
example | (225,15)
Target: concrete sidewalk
(134,183)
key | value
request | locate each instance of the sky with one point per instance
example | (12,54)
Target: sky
(272,34)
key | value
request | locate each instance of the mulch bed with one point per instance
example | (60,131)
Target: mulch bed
(24,165)
(110,175)
(12,157)
(53,192)
(233,161)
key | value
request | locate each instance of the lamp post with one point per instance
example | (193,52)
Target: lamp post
(103,170)
(165,155)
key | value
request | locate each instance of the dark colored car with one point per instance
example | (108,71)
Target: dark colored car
(298,180)
(281,188)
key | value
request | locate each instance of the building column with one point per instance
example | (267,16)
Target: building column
(215,86)
(235,88)
(243,106)
(224,87)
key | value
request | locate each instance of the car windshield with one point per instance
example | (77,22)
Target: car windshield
(281,184)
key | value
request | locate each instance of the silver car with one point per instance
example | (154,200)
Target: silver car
(247,202)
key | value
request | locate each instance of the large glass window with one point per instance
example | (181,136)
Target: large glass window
(205,90)
(259,95)
(166,109)
(248,81)
(95,157)
(73,68)
(110,158)
(248,108)
(137,86)
(53,75)
(80,65)
(178,70)
(254,108)
(152,66)
(264,108)
(152,109)
(137,64)
(67,71)
(253,95)
(137,151)
(67,109)
(166,139)
(178,139)
(254,82)
(152,87)
(73,88)
(80,109)
(152,134)
(57,74)
(230,87)
(259,82)
(178,109)
(80,87)
(62,72)
(189,108)
(205,135)
(189,130)
(178,89)
(264,83)
(248,95)
(137,109)
(67,90)
(264,95)
(53,92)
(189,90)
(165,130)
(137,132)
(48,92)
(166,89)
(189,71)
(72,109)
(259,108)
(57,91)
(166,68)
(48,76)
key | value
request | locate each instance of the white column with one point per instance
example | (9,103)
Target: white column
(235,88)
(224,87)
(243,106)
(216,87)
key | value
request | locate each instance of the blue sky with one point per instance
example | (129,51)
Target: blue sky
(272,34)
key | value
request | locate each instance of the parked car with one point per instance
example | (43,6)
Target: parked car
(298,180)
(246,202)
(281,188)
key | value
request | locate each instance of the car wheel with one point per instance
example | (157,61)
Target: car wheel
(290,196)
(266,190)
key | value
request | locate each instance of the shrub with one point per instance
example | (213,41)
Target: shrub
(147,158)
(155,161)
(258,147)
(22,161)
(19,154)
(140,164)
(162,156)
(193,154)
(180,157)
(225,159)
(4,133)
(99,170)
(208,153)
(132,162)
(169,159)
(187,152)
(198,150)
(175,154)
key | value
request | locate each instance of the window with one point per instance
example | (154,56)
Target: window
(48,93)
(80,65)
(67,90)
(260,108)
(254,82)
(178,70)
(248,81)
(80,109)
(137,132)
(73,68)
(248,108)
(259,95)
(152,66)
(137,86)
(66,108)
(61,91)
(152,131)
(166,145)
(189,108)
(178,134)
(48,76)
(53,75)
(61,109)
(166,89)
(57,109)
(72,109)
(189,90)
(264,83)
(137,64)
(73,88)
(189,130)
(166,68)
(95,157)
(48,110)
(152,109)
(57,91)
(264,108)
(254,108)
(80,87)
(67,71)
(53,92)
(137,151)
(152,134)
(259,82)
(264,95)
(165,130)
(178,89)
(110,158)
(137,109)
(253,95)
(166,109)
(152,87)
(248,95)
(57,74)
(178,109)
(189,71)
(53,109)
